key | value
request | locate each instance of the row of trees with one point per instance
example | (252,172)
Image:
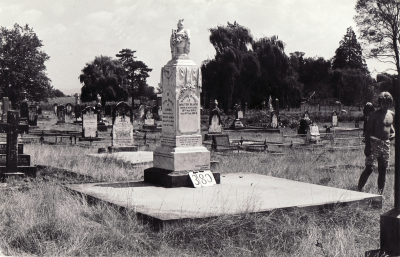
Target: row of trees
(249,70)
(244,69)
(115,79)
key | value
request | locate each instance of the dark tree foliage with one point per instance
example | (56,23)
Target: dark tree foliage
(386,82)
(233,63)
(349,54)
(137,73)
(314,76)
(378,22)
(351,86)
(22,65)
(277,77)
(58,93)
(104,76)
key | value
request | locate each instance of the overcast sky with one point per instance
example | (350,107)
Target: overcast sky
(74,32)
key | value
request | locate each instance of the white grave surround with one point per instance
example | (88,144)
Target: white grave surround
(89,124)
(215,127)
(181,140)
(122,131)
(240,114)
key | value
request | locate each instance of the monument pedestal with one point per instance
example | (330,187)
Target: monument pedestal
(181,149)
(390,236)
(182,158)
(168,178)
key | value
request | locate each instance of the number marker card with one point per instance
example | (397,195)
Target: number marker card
(202,178)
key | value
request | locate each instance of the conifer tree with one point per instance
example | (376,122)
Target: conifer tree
(349,54)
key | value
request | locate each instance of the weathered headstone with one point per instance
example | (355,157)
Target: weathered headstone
(214,120)
(78,112)
(313,135)
(160,113)
(303,126)
(181,140)
(60,114)
(141,111)
(33,116)
(306,115)
(39,111)
(122,129)
(240,114)
(6,106)
(334,119)
(271,108)
(24,110)
(55,109)
(220,141)
(357,123)
(12,142)
(277,105)
(89,122)
(274,120)
(68,108)
(107,110)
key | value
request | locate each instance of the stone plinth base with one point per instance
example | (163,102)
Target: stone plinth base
(182,158)
(115,149)
(378,253)
(9,177)
(29,171)
(390,232)
(168,178)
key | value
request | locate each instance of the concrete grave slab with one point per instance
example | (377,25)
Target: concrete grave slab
(237,193)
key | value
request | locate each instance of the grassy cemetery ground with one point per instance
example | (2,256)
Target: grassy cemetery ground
(40,217)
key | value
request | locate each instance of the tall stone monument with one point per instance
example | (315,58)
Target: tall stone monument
(181,147)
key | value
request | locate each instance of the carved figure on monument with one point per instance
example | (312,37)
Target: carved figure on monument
(180,42)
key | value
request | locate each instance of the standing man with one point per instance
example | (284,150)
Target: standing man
(378,134)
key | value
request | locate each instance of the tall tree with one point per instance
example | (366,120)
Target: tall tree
(104,76)
(232,43)
(349,54)
(351,86)
(314,76)
(378,22)
(137,73)
(22,65)
(277,78)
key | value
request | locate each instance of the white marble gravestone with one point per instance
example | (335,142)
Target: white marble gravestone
(240,114)
(122,130)
(89,123)
(313,134)
(274,120)
(334,119)
(215,126)
(181,140)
